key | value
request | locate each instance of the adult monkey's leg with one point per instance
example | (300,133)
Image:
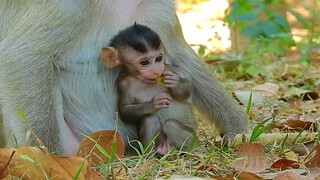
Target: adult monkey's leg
(209,96)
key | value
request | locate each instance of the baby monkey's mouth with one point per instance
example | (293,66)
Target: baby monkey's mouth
(155,80)
(149,80)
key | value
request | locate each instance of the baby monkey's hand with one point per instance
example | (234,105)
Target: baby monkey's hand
(171,80)
(161,100)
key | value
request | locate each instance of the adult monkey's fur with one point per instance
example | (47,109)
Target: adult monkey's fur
(50,68)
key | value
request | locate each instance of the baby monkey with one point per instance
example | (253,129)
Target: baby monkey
(152,94)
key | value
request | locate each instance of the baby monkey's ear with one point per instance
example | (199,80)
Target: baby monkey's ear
(110,57)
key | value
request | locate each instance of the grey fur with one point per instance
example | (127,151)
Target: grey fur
(49,68)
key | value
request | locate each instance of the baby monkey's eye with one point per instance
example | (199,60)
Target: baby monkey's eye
(144,62)
(159,59)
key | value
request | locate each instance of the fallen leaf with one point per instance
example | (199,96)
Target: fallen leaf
(302,149)
(33,163)
(267,89)
(293,124)
(259,93)
(240,84)
(296,122)
(108,140)
(294,91)
(251,158)
(3,170)
(240,176)
(290,154)
(310,105)
(174,177)
(243,97)
(295,102)
(4,167)
(314,171)
(272,174)
(310,96)
(313,159)
(259,79)
(292,176)
(285,163)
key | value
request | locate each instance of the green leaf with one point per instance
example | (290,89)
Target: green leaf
(300,19)
(151,144)
(248,108)
(27,158)
(22,115)
(113,151)
(282,22)
(78,171)
(268,28)
(202,50)
(251,30)
(259,129)
(15,140)
(192,143)
(103,151)
(254,70)
(244,17)
(241,6)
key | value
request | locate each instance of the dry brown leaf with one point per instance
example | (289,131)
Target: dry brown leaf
(259,93)
(285,163)
(260,79)
(296,122)
(295,103)
(285,75)
(251,158)
(272,174)
(314,171)
(310,105)
(105,139)
(247,175)
(294,91)
(3,170)
(239,176)
(313,159)
(310,96)
(292,124)
(176,177)
(243,97)
(289,154)
(291,176)
(33,163)
(268,89)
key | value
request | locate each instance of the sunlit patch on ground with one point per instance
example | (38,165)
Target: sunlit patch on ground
(203,24)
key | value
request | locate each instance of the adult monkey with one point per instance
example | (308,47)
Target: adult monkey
(49,68)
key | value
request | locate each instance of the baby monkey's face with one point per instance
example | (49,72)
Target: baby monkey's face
(147,66)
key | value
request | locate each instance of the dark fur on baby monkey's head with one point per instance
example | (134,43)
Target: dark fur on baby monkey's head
(139,37)
(138,49)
